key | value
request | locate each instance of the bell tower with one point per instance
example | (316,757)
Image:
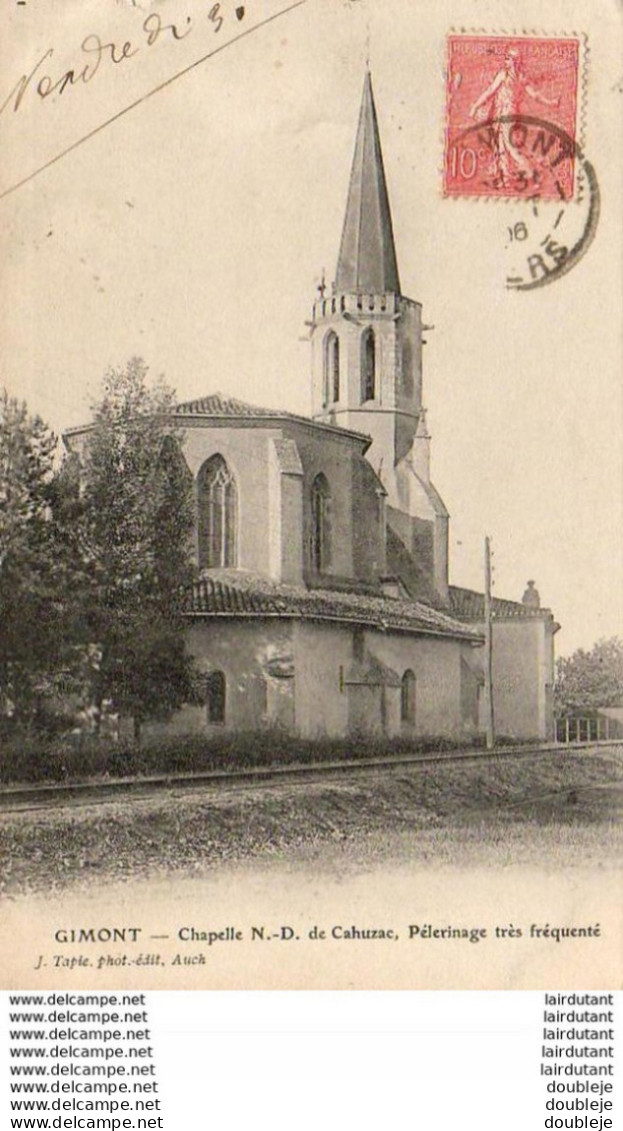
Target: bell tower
(366,336)
(367,354)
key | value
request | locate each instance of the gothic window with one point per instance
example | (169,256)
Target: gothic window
(407,697)
(216,695)
(331,386)
(368,366)
(321,529)
(218,515)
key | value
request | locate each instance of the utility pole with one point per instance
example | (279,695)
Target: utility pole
(489,726)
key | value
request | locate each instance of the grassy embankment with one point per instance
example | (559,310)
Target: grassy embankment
(532,810)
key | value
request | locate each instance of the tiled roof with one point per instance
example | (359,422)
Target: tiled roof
(218,405)
(471,605)
(236,594)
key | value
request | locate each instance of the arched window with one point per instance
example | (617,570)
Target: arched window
(216,695)
(321,524)
(407,697)
(331,368)
(368,366)
(218,515)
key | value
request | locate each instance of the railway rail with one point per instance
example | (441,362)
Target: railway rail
(22,798)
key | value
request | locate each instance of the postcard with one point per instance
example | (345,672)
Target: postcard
(311,456)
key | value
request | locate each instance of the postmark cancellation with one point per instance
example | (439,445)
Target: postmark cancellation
(513,116)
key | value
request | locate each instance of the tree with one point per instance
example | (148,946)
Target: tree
(35,565)
(591,679)
(135,520)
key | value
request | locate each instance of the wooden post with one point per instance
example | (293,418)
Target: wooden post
(489,717)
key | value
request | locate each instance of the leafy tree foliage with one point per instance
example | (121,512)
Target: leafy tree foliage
(134,524)
(591,679)
(36,570)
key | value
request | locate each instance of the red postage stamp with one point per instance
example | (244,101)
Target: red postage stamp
(511,116)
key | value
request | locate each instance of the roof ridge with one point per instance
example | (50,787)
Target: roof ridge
(219,399)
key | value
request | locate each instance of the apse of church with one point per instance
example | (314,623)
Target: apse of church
(322,604)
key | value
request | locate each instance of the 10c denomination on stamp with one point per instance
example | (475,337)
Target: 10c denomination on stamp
(498,91)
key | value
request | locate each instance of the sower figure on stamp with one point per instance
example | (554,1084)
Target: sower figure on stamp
(504,95)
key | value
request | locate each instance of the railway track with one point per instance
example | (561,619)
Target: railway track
(17,799)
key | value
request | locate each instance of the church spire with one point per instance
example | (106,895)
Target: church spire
(367,259)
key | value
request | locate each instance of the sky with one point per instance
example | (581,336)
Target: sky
(193,230)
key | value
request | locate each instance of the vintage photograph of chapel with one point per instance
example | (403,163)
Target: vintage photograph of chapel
(323,604)
(309,589)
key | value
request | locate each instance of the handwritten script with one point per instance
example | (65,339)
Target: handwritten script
(97,53)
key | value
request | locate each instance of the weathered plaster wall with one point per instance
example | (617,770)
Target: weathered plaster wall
(257,659)
(523,669)
(436,664)
(285,512)
(516,678)
(321,650)
(296,676)
(327,703)
(320,452)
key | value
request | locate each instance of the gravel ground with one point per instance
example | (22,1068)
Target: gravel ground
(524,810)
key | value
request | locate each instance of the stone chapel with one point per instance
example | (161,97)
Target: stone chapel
(323,605)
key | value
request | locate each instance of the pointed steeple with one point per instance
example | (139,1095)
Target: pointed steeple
(367,259)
